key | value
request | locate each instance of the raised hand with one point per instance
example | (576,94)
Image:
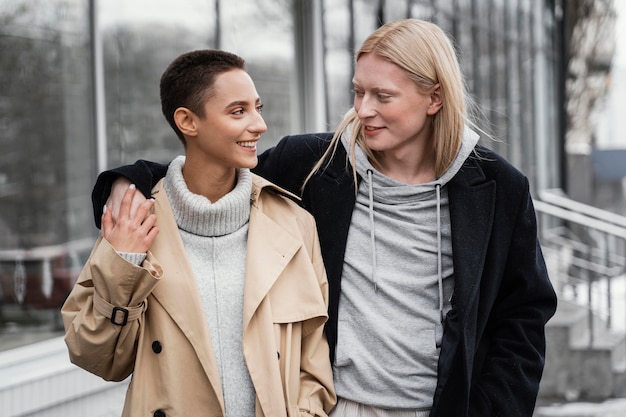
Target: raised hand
(134,228)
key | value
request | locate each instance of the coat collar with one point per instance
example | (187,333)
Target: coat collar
(260,183)
(272,254)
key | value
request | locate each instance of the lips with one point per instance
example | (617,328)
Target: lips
(371,129)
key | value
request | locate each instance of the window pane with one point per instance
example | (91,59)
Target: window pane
(338,62)
(136,53)
(139,39)
(261,31)
(46,162)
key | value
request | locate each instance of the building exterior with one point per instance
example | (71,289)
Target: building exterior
(79,94)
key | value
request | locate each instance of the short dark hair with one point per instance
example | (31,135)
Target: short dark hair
(188,81)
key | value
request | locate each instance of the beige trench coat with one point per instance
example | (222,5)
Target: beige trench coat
(164,341)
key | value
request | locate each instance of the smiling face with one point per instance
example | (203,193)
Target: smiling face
(395,115)
(226,137)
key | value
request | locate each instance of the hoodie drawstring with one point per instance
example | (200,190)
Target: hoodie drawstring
(439,257)
(439,243)
(372,234)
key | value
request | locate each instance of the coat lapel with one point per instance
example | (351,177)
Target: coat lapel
(330,196)
(472,204)
(178,292)
(270,249)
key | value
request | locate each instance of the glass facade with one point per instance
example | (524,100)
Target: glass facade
(79,94)
(47,169)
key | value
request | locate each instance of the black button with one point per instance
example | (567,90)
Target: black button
(278,353)
(157,348)
(159,413)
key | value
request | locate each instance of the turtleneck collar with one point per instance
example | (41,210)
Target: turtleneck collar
(197,214)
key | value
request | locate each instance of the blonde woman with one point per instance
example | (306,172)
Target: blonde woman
(439,293)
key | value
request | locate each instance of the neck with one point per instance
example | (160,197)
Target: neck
(207,180)
(407,174)
(416,167)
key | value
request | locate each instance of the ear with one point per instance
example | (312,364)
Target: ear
(186,121)
(436,101)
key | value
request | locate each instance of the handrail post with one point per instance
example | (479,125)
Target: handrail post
(609,279)
(590,310)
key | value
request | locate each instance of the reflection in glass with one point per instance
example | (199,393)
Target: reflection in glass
(46,162)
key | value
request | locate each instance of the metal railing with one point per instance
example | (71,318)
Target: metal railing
(585,251)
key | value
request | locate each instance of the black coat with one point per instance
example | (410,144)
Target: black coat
(493,347)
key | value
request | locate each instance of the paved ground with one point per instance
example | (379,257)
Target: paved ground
(608,408)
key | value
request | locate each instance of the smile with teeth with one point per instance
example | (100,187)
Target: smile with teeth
(247,144)
(371,128)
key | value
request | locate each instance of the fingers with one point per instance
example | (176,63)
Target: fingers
(107,221)
(127,202)
(138,199)
(145,231)
(153,231)
(141,208)
(118,189)
(134,232)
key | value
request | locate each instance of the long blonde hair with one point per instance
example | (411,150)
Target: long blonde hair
(426,53)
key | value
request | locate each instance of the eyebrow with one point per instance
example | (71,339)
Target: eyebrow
(377,89)
(242,103)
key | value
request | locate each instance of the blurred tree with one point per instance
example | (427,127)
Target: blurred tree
(590,35)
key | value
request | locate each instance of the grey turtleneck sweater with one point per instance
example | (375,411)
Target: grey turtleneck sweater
(396,286)
(215,237)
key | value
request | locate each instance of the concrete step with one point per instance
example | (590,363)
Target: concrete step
(579,366)
(619,389)
(568,321)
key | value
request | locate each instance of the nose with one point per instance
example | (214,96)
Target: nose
(258,124)
(364,107)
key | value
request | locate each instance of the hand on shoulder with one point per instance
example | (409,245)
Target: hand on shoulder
(129,227)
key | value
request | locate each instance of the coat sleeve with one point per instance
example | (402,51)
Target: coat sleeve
(287,164)
(511,352)
(144,174)
(317,393)
(104,313)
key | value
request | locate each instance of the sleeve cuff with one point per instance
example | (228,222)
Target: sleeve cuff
(133,258)
(118,315)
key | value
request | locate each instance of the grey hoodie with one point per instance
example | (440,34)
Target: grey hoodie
(396,286)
